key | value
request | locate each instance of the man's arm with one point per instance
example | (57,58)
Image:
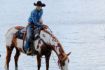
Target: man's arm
(41,21)
(33,17)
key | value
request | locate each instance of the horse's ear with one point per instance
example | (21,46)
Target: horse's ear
(68,53)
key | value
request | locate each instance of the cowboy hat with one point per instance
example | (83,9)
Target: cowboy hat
(39,3)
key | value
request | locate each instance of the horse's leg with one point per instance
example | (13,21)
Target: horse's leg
(8,56)
(47,57)
(38,61)
(16,57)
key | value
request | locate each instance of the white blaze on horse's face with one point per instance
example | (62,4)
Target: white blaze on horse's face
(65,67)
(64,64)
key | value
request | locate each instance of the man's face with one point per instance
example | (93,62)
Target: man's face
(38,7)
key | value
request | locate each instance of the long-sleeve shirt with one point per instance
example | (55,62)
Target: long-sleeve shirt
(35,17)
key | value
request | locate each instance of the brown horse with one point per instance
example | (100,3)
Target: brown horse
(43,45)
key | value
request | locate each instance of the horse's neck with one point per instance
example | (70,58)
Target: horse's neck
(59,49)
(50,39)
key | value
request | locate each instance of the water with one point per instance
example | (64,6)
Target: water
(85,41)
(80,28)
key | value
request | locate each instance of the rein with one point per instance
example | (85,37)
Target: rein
(50,30)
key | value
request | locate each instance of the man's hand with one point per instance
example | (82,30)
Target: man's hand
(45,26)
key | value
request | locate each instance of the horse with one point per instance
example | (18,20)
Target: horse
(44,45)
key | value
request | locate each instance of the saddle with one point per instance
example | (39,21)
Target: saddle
(22,31)
(21,34)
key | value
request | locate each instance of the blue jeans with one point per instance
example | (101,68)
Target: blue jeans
(30,31)
(28,36)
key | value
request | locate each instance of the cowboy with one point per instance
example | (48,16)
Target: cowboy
(35,19)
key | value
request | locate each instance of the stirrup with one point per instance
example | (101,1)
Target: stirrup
(29,52)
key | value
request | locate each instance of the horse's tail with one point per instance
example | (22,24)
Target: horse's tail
(9,35)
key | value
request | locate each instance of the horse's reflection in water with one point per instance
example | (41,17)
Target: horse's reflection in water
(43,45)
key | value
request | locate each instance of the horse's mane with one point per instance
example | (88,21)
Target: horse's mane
(51,34)
(54,37)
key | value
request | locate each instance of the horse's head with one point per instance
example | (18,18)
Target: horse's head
(50,39)
(63,61)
